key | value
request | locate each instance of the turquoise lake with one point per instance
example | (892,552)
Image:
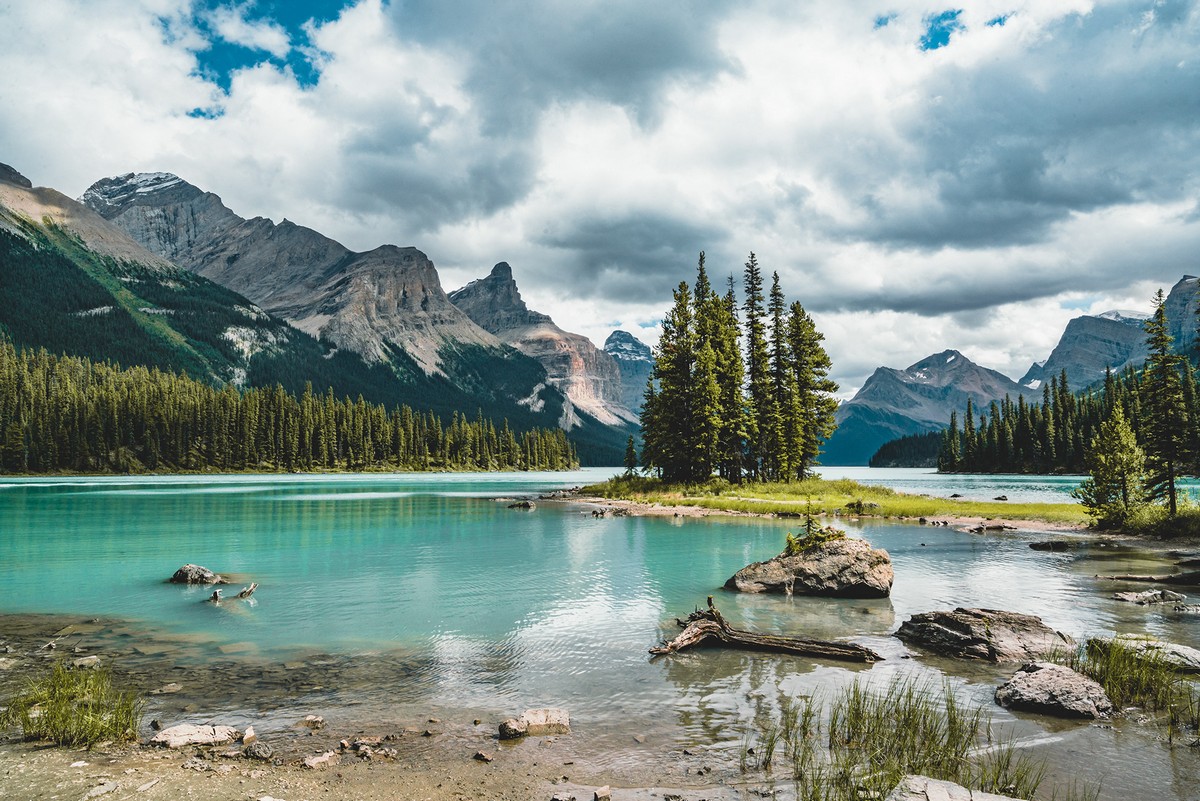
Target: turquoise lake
(443,598)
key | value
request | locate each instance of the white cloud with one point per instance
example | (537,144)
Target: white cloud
(232,24)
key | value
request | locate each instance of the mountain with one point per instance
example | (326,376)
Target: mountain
(588,377)
(1181,309)
(636,361)
(74,283)
(895,403)
(1089,346)
(386,305)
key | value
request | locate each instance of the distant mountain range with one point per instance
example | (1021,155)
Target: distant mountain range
(149,269)
(895,403)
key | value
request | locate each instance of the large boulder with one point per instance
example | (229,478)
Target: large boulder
(923,788)
(1054,690)
(191,734)
(840,568)
(989,634)
(1179,657)
(535,723)
(196,574)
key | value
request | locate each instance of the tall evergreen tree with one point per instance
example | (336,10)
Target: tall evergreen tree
(731,375)
(1115,486)
(1165,409)
(815,390)
(758,373)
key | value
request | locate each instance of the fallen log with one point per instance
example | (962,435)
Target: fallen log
(1191,579)
(708,625)
(246,592)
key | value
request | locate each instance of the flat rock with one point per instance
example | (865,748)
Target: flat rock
(103,789)
(191,734)
(1180,657)
(536,722)
(196,574)
(989,634)
(843,568)
(1054,690)
(923,788)
(1150,597)
(320,760)
(86,663)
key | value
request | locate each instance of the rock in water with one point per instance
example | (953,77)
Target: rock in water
(923,788)
(1179,657)
(841,568)
(190,734)
(536,722)
(1054,690)
(196,574)
(989,634)
(1150,597)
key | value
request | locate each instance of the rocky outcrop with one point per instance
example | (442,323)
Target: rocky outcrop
(1089,346)
(10,176)
(1182,658)
(1054,690)
(586,375)
(895,403)
(536,723)
(636,362)
(923,788)
(1150,597)
(841,568)
(190,734)
(988,634)
(196,574)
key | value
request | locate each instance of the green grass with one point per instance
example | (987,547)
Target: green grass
(820,496)
(863,743)
(75,708)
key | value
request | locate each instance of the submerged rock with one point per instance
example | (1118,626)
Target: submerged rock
(990,634)
(840,568)
(1179,657)
(1150,597)
(923,788)
(196,574)
(191,734)
(536,722)
(1054,690)
(1051,545)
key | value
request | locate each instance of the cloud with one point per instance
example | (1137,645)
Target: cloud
(232,24)
(969,195)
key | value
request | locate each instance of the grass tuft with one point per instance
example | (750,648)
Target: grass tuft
(75,708)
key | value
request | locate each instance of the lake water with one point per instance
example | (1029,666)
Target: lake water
(386,597)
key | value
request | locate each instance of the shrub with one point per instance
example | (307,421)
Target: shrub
(74,707)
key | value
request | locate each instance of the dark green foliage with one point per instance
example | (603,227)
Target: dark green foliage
(1166,433)
(631,457)
(813,537)
(72,414)
(914,450)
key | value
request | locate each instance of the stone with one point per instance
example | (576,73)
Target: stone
(196,574)
(483,756)
(530,505)
(1051,545)
(249,736)
(6,663)
(1188,608)
(1180,657)
(562,795)
(923,788)
(258,750)
(167,689)
(191,734)
(103,789)
(313,722)
(842,568)
(1150,597)
(536,722)
(320,760)
(86,663)
(602,794)
(1054,690)
(988,634)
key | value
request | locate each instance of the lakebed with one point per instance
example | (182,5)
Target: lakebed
(386,602)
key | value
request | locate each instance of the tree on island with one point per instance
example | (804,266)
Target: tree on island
(762,414)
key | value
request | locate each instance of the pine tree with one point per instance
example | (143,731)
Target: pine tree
(667,416)
(758,375)
(814,389)
(731,374)
(1115,487)
(1164,406)
(631,457)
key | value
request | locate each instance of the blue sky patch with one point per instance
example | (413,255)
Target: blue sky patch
(883,19)
(938,29)
(998,22)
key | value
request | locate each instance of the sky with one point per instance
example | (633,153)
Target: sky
(921,175)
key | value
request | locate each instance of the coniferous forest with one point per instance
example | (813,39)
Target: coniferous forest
(760,411)
(1159,417)
(63,413)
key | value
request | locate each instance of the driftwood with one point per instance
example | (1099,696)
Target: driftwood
(1181,579)
(709,625)
(246,592)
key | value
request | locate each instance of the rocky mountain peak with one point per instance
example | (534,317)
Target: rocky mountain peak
(495,303)
(109,197)
(11,176)
(625,347)
(635,361)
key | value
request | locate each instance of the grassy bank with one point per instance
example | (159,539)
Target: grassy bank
(821,496)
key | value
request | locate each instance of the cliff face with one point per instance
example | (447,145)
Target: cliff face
(586,375)
(1089,346)
(362,302)
(636,361)
(1181,314)
(893,403)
